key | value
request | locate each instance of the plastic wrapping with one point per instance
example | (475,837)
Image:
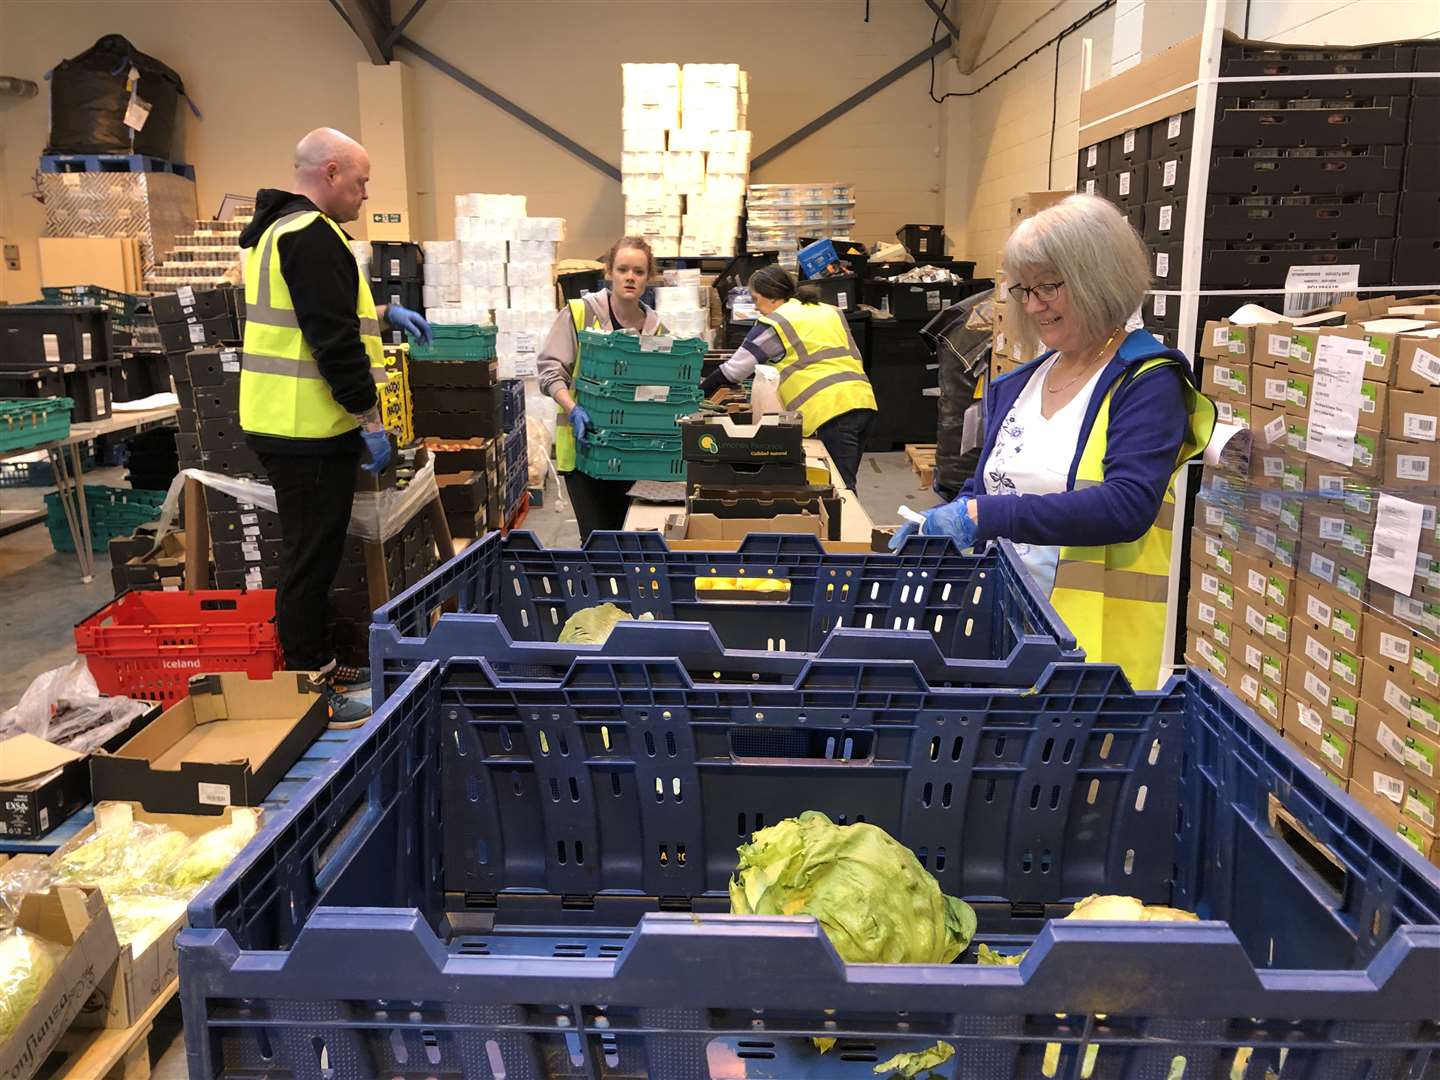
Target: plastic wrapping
(765,391)
(65,707)
(26,964)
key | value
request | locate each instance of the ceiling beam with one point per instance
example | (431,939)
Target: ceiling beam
(975,22)
(939,10)
(394,34)
(370,22)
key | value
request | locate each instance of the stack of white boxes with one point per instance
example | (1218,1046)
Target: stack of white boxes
(683,304)
(685,156)
(506,265)
(783,215)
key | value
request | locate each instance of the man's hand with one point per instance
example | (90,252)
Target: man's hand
(378,444)
(402,318)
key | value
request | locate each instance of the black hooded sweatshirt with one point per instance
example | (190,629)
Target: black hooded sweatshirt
(324,280)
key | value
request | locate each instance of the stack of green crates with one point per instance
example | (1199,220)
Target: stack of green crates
(113,512)
(455,341)
(635,389)
(33,421)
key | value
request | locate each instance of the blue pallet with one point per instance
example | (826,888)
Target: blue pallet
(578,936)
(113,163)
(961,618)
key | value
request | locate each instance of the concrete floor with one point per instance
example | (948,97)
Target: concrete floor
(42,597)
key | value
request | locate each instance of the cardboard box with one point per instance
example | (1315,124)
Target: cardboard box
(1411,465)
(1269,386)
(77,920)
(1337,704)
(226,744)
(41,785)
(1414,414)
(1233,412)
(1299,387)
(1202,652)
(1225,380)
(776,437)
(1403,648)
(1216,586)
(1331,610)
(1417,752)
(1031,203)
(1328,564)
(1273,586)
(1266,658)
(1395,694)
(1271,344)
(708,527)
(1222,341)
(1324,652)
(1417,361)
(1204,617)
(1268,701)
(133,983)
(1332,746)
(1215,552)
(1381,352)
(1383,777)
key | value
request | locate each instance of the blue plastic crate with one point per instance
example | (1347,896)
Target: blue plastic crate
(103,163)
(581,937)
(962,618)
(512,405)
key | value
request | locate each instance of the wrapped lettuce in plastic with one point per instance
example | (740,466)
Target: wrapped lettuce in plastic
(26,964)
(211,852)
(141,918)
(131,858)
(870,894)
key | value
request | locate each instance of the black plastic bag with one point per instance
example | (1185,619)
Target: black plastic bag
(89,98)
(963,355)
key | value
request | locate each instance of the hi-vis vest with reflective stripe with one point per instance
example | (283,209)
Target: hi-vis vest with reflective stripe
(820,375)
(281,389)
(1113,597)
(585,319)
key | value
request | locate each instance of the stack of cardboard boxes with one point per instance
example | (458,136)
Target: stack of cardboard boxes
(1315,566)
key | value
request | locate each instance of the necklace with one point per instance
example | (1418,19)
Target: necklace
(1083,371)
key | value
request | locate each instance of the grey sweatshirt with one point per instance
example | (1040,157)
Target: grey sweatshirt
(555,366)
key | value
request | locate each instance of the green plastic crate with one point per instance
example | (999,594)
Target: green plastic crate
(617,355)
(122,306)
(113,512)
(459,341)
(620,405)
(33,421)
(616,456)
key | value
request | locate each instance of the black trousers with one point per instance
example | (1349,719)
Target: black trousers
(313,496)
(599,504)
(844,438)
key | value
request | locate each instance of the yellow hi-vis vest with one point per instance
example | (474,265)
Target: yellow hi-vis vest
(820,374)
(585,319)
(1113,596)
(281,389)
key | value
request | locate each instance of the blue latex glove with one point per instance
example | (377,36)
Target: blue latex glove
(951,519)
(581,422)
(378,443)
(402,318)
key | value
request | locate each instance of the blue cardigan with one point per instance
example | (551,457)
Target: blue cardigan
(1149,418)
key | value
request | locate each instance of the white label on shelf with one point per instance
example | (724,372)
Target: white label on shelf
(1307,716)
(1210,584)
(1419,426)
(1091,156)
(1426,365)
(137,112)
(1308,288)
(1172,126)
(250,532)
(1255,620)
(1253,657)
(1171,167)
(1125,183)
(1277,390)
(1162,266)
(1412,466)
(212,794)
(1127,142)
(659,392)
(395,268)
(657,343)
(250,552)
(1158,307)
(1331,485)
(1317,652)
(1214,516)
(1394,647)
(1335,404)
(1398,523)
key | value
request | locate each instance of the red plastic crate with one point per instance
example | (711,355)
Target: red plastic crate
(146,644)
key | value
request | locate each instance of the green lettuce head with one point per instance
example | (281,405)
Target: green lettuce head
(875,901)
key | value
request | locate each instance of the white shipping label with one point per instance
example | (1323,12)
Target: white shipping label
(1220,337)
(657,343)
(525,342)
(1162,267)
(1277,390)
(1250,686)
(1264,538)
(1317,652)
(229,363)
(249,519)
(1089,187)
(51,342)
(212,794)
(1308,288)
(1322,567)
(1391,743)
(1412,466)
(1398,524)
(1419,426)
(250,532)
(1158,307)
(653,393)
(932,301)
(1254,620)
(1422,813)
(1127,143)
(394,267)
(1418,761)
(1170,170)
(1308,717)
(1091,157)
(1335,400)
(1210,583)
(1206,612)
(99,400)
(1393,647)
(197,333)
(1172,126)
(137,112)
(186,295)
(1275,430)
(1318,610)
(1397,698)
(1332,528)
(1426,365)
(1214,516)
(1124,183)
(1332,755)
(842,300)
(1274,466)
(1256,582)
(1387,787)
(1279,345)
(85,352)
(1331,485)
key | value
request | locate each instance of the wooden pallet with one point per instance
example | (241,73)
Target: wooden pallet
(108,1053)
(922,460)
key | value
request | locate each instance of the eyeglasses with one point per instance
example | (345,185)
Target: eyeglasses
(1044,292)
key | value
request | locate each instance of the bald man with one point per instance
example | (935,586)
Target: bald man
(308,405)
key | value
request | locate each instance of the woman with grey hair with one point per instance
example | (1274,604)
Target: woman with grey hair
(1082,444)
